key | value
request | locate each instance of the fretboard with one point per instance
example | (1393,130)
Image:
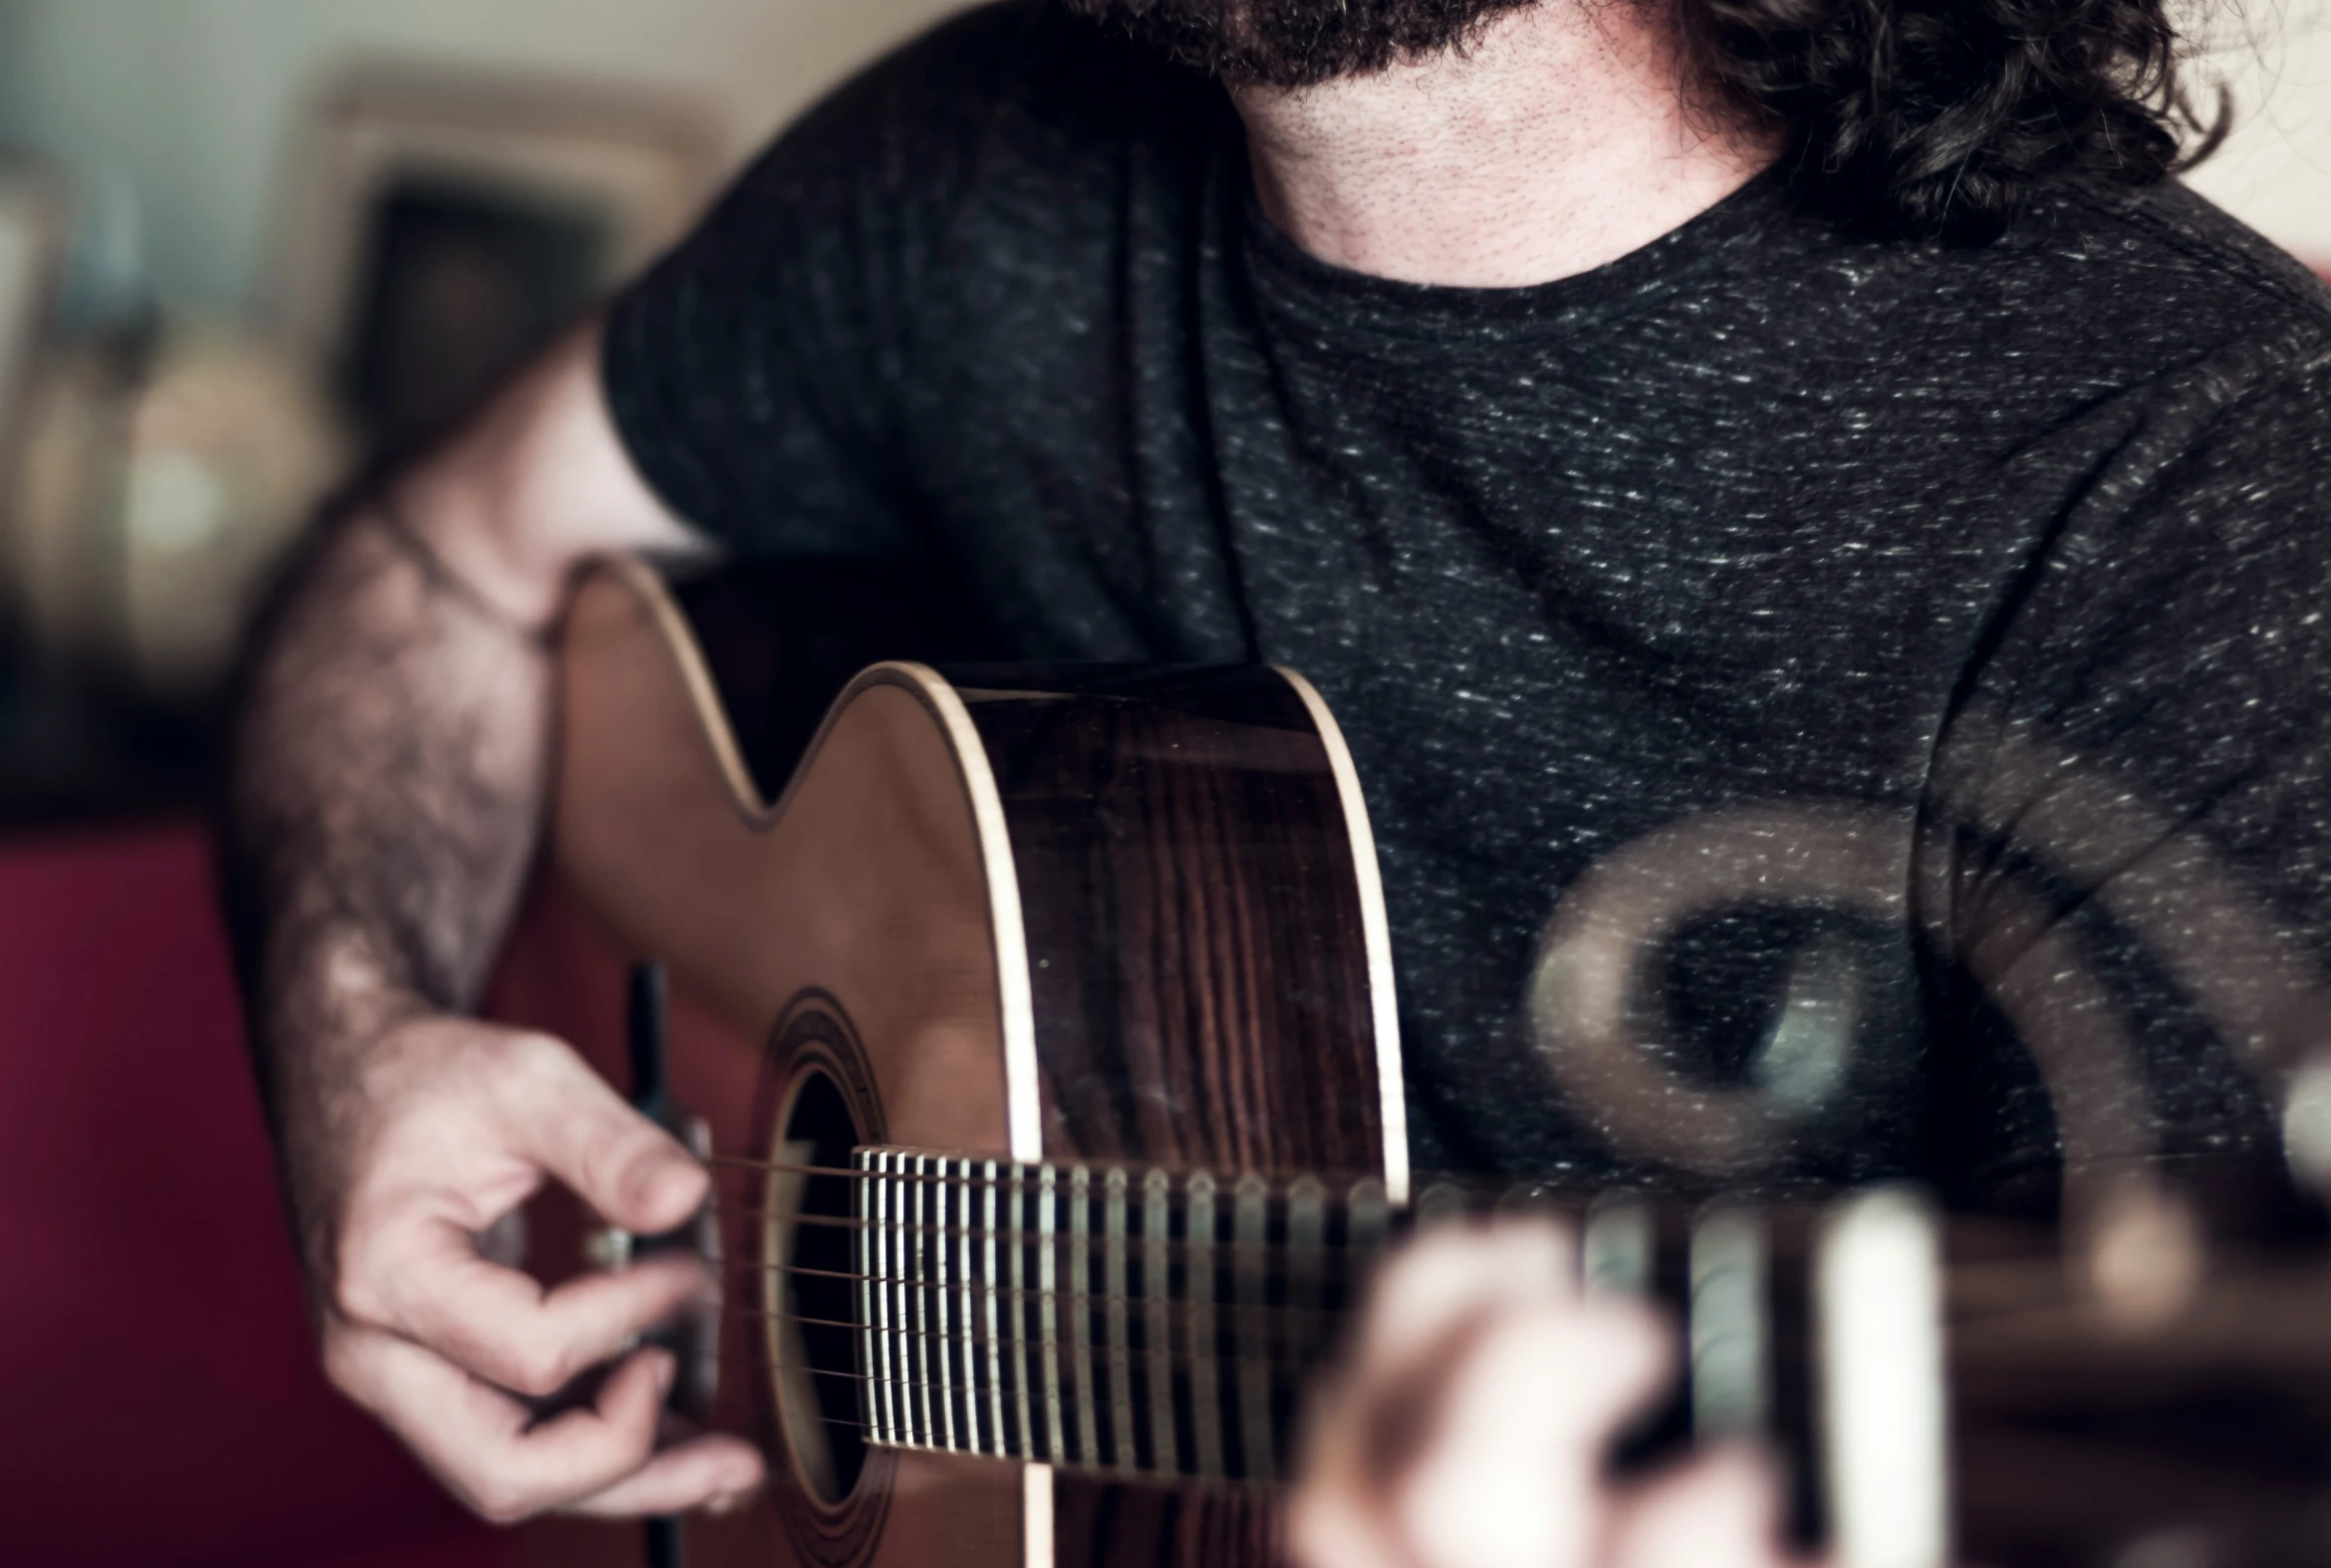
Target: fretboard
(1108,1318)
(1140,1322)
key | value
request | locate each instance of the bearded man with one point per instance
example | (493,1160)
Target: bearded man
(1632,415)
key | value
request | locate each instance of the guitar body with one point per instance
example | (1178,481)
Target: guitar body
(1021,915)
(1041,1034)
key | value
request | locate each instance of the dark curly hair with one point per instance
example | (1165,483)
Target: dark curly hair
(1930,118)
(1919,117)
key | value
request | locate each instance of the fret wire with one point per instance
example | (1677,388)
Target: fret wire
(1157,1215)
(926,1418)
(1081,1323)
(862,1203)
(1025,1445)
(872,1243)
(938,1293)
(1048,1307)
(1250,1221)
(903,1336)
(903,1326)
(1205,1415)
(995,1417)
(1112,1186)
(971,1439)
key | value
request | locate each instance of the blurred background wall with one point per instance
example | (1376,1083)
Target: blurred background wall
(2275,172)
(187,104)
(262,212)
(187,101)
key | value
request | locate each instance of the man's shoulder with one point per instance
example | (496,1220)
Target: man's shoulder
(2160,269)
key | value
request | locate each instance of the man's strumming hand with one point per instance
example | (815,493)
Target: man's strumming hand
(455,1124)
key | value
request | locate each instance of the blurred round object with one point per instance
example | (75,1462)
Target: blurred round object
(231,447)
(71,442)
(2306,1123)
(154,500)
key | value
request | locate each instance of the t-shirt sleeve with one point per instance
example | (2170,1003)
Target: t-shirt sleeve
(2127,841)
(754,374)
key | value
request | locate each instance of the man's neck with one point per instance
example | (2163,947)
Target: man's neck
(1555,144)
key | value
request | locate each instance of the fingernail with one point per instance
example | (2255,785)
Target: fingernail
(726,1503)
(666,1366)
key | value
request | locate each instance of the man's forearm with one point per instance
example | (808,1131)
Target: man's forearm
(386,768)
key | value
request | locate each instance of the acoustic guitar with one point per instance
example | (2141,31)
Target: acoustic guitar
(1042,1037)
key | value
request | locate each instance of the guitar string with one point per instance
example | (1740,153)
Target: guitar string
(1283,1323)
(1224,1202)
(908,1386)
(1138,1354)
(1255,1340)
(1340,1266)
(1227,1365)
(1976,1290)
(1228,1306)
(1028,1175)
(1337,1254)
(874,1437)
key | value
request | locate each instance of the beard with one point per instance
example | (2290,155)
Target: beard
(1298,42)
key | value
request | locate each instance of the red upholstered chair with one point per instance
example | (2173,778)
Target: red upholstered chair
(159,1402)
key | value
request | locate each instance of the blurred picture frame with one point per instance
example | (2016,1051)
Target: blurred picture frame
(445,224)
(35,230)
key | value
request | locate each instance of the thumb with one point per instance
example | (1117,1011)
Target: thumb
(565,1118)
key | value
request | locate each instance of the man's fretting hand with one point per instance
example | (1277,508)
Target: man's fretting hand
(1473,1427)
(461,1122)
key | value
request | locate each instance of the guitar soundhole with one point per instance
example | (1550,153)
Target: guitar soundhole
(813,1355)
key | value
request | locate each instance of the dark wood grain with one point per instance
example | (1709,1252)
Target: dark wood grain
(1192,919)
(1202,995)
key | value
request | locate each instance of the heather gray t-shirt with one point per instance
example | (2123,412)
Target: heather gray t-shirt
(1828,707)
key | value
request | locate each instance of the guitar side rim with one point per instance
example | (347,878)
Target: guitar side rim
(1375,928)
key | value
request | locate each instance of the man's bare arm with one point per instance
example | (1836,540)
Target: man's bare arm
(389,766)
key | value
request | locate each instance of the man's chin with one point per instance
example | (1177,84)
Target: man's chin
(1296,43)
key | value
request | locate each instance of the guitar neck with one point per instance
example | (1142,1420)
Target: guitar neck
(1145,1323)
(1109,1318)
